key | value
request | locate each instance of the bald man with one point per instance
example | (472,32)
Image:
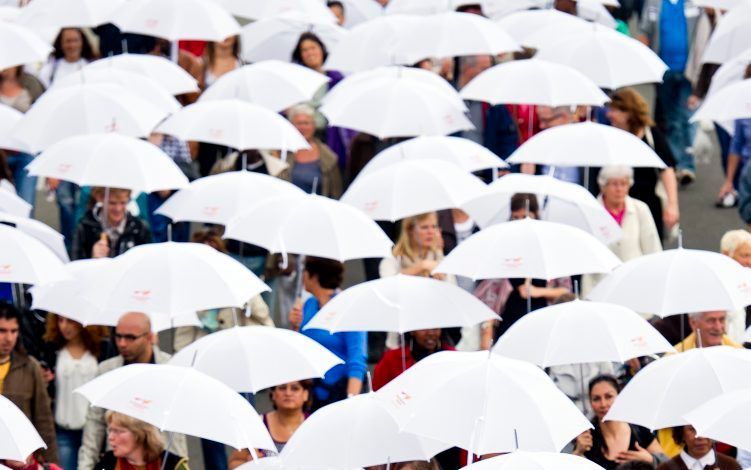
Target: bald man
(136,344)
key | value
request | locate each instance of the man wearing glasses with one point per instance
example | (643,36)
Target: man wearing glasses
(136,345)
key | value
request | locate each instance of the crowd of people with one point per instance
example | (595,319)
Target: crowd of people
(44,356)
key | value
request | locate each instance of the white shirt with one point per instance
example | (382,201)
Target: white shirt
(58,68)
(71,373)
(694,464)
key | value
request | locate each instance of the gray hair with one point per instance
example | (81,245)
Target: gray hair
(304,109)
(696,316)
(732,240)
(608,173)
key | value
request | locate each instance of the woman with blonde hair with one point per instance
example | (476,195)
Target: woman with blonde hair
(136,445)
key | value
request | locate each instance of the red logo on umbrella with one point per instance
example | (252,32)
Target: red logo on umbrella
(401,399)
(216,133)
(141,403)
(6,268)
(64,167)
(152,23)
(142,295)
(370,206)
(211,210)
(513,262)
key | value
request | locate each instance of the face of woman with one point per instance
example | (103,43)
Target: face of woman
(616,190)
(742,255)
(68,328)
(305,124)
(72,44)
(522,214)
(427,339)
(618,118)
(311,54)
(290,396)
(425,232)
(121,439)
(601,397)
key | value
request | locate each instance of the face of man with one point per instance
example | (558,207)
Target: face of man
(133,338)
(8,337)
(696,447)
(711,327)
(551,117)
(117,207)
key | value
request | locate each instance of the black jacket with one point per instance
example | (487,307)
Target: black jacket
(89,230)
(109,461)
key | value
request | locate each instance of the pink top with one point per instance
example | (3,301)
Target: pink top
(618,215)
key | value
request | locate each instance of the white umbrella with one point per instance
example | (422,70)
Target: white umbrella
(86,109)
(360,11)
(730,72)
(233,123)
(417,7)
(396,106)
(310,225)
(12,204)
(605,146)
(176,19)
(529,249)
(273,84)
(361,425)
(452,34)
(534,81)
(9,118)
(401,303)
(522,460)
(182,400)
(26,260)
(465,153)
(169,279)
(170,75)
(719,4)
(523,25)
(69,14)
(28,47)
(296,357)
(561,202)
(275,38)
(18,437)
(731,36)
(370,44)
(216,199)
(69,298)
(109,160)
(724,418)
(580,332)
(696,376)
(677,281)
(729,103)
(41,231)
(316,10)
(610,59)
(412,187)
(484,403)
(145,87)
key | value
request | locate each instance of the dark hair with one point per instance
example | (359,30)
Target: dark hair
(9,311)
(598,441)
(87,51)
(307,36)
(210,237)
(211,51)
(605,378)
(307,384)
(632,103)
(92,336)
(335,3)
(635,465)
(519,202)
(330,273)
(747,72)
(5,173)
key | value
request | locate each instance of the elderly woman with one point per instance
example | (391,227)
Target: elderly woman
(314,169)
(629,111)
(136,445)
(737,245)
(612,443)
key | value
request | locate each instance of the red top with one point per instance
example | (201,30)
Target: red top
(390,365)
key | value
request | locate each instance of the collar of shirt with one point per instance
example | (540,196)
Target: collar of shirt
(694,464)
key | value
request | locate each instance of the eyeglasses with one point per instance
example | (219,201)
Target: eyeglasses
(128,338)
(290,387)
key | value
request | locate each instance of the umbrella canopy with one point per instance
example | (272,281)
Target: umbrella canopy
(731,36)
(401,303)
(605,146)
(452,34)
(275,38)
(273,84)
(364,427)
(523,460)
(534,81)
(677,281)
(233,123)
(523,25)
(109,160)
(70,14)
(412,187)
(580,332)
(26,260)
(727,104)
(27,48)
(730,72)
(9,118)
(216,199)
(39,230)
(360,11)
(89,108)
(12,204)
(724,418)
(696,376)
(528,249)
(610,59)
(316,10)
(169,75)
(484,403)
(310,225)
(296,357)
(169,279)
(465,153)
(200,20)
(182,400)
(563,202)
(18,437)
